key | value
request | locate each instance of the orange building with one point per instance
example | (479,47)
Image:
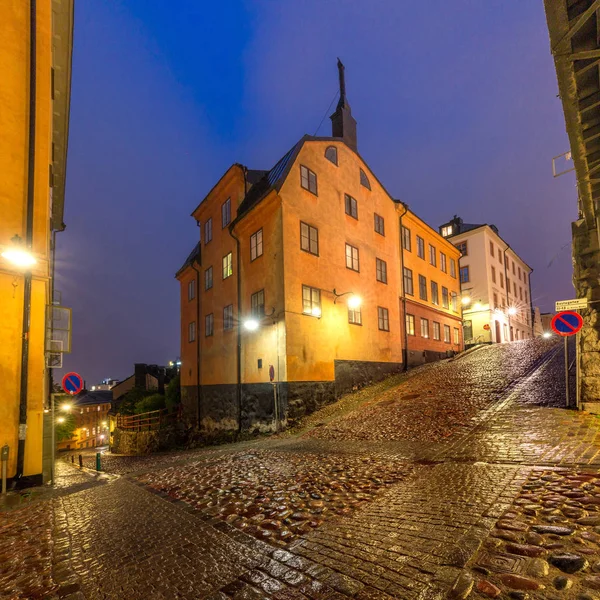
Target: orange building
(294,293)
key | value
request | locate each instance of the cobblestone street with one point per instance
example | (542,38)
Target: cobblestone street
(434,483)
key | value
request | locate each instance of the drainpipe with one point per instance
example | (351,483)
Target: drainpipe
(197,261)
(403,297)
(28,244)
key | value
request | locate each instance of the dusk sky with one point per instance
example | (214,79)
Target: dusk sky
(457,113)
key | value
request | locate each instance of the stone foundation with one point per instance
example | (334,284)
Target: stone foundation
(146,442)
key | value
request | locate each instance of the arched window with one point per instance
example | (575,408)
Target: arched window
(364,180)
(331,154)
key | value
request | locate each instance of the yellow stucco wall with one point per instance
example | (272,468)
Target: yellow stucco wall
(14,121)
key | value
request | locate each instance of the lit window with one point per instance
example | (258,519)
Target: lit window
(208,278)
(446,230)
(364,180)
(191,289)
(453,268)
(383,319)
(351,206)
(422,287)
(355,316)
(227,266)
(436,330)
(435,299)
(408,282)
(257,303)
(432,256)
(406,238)
(228,317)
(464,274)
(420,247)
(462,246)
(447,334)
(352,258)
(192,332)
(456,336)
(425,328)
(309,238)
(381,270)
(256,244)
(331,155)
(311,301)
(226,213)
(208,325)
(410,324)
(207,231)
(308,180)
(445,300)
(379,224)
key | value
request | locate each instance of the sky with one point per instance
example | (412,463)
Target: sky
(457,112)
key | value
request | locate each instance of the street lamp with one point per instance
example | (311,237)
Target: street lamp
(18,255)
(547,334)
(465,300)
(512,310)
(354,302)
(66,407)
(60,420)
(251,324)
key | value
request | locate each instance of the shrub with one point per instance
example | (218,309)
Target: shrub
(150,403)
(173,394)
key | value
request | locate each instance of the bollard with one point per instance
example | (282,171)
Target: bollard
(98,463)
(80,461)
(4,457)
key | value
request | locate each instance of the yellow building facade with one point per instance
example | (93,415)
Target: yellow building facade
(35,62)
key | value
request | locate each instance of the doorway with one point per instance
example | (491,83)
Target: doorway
(498,336)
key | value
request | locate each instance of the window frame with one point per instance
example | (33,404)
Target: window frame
(257,244)
(351,268)
(493,274)
(492,249)
(447,338)
(191,332)
(406,239)
(383,318)
(463,245)
(443,262)
(191,289)
(381,270)
(228,317)
(452,268)
(378,219)
(437,331)
(456,336)
(229,259)
(423,295)
(454,301)
(308,174)
(209,325)
(355,316)
(302,237)
(364,179)
(208,231)
(409,323)
(225,213)
(255,306)
(435,292)
(351,204)
(408,282)
(207,271)
(445,298)
(432,255)
(420,247)
(425,322)
(334,148)
(466,270)
(312,301)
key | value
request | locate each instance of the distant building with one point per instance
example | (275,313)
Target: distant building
(107,384)
(300,278)
(538,327)
(546,319)
(145,377)
(495,284)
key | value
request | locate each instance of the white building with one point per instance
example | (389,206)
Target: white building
(495,285)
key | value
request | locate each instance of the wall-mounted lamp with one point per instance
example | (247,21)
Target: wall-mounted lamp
(353,302)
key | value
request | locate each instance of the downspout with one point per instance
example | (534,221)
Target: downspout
(28,244)
(403,297)
(195,262)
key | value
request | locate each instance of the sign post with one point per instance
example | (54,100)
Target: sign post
(275,406)
(565,324)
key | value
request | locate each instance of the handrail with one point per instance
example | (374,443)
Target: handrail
(147,421)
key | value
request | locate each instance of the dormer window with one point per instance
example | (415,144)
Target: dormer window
(331,155)
(446,230)
(364,180)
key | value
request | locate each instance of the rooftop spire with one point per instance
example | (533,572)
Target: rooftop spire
(343,124)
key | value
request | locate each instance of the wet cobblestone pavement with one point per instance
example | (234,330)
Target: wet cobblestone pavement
(450,506)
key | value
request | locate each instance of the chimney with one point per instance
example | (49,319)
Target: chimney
(343,124)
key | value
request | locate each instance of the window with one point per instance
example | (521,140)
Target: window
(352,258)
(192,332)
(462,246)
(311,301)
(422,287)
(257,304)
(379,224)
(520,293)
(226,213)
(513,268)
(420,247)
(308,180)
(425,328)
(436,330)
(453,268)
(435,299)
(447,334)
(445,300)
(410,324)
(508,285)
(208,278)
(456,336)
(228,317)
(515,288)
(454,297)
(464,274)
(207,231)
(351,206)
(227,266)
(502,280)
(354,316)
(443,266)
(191,290)
(331,155)
(519,273)
(493,274)
(364,180)
(408,282)
(383,320)
(309,239)
(499,256)
(406,238)
(432,256)
(491,248)
(495,300)
(446,230)
(506,261)
(208,325)
(256,245)
(381,269)
(526,297)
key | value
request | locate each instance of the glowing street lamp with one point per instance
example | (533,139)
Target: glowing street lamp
(60,420)
(18,255)
(547,334)
(512,310)
(66,406)
(478,306)
(354,302)
(465,300)
(251,324)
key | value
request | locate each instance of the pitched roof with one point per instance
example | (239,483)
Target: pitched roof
(96,397)
(190,259)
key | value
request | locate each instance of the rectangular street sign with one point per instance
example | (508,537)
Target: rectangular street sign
(574,304)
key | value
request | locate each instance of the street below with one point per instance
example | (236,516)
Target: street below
(463,478)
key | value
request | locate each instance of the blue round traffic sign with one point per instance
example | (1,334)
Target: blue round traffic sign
(566,323)
(72,383)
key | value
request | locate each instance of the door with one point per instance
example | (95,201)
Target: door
(498,336)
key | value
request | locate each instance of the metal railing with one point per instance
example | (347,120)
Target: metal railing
(148,421)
